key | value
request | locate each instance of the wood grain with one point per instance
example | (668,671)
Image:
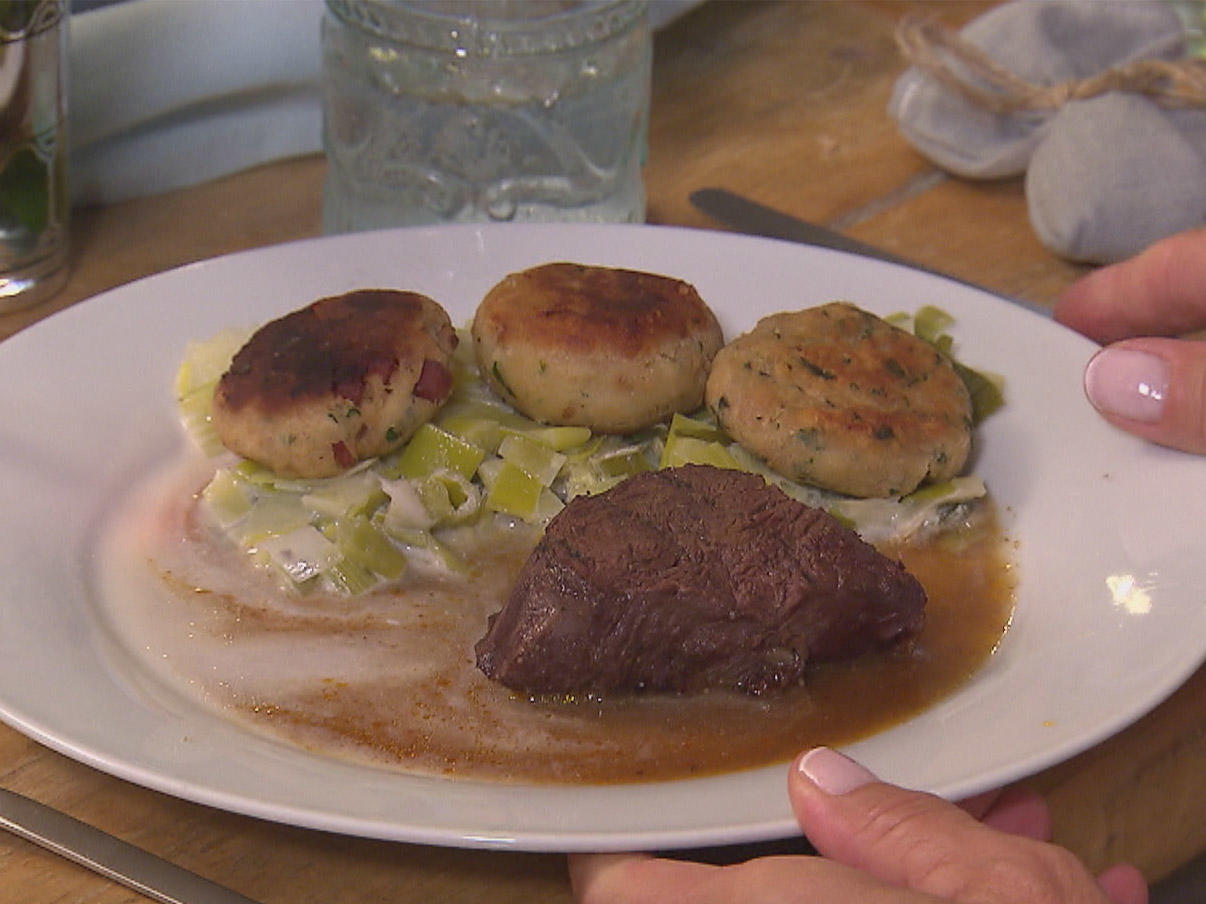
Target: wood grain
(784,102)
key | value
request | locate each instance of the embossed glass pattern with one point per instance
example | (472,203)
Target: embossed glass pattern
(484,111)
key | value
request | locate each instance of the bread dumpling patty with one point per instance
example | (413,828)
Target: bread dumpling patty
(344,379)
(836,397)
(610,349)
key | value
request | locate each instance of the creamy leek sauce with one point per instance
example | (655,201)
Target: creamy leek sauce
(389,678)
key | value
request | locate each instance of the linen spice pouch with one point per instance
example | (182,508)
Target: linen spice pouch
(1096,102)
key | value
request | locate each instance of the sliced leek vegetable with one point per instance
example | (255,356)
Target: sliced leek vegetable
(987,390)
(363,543)
(346,496)
(272,515)
(534,458)
(228,497)
(479,458)
(510,490)
(301,554)
(433,449)
(422,544)
(559,439)
(687,450)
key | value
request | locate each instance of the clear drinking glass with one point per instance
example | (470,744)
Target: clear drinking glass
(472,111)
(34,204)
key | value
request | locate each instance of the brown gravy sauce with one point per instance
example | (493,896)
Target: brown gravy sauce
(389,679)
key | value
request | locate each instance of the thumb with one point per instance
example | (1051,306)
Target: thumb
(1154,388)
(920,842)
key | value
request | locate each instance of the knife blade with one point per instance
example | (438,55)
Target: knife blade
(113,858)
(753,218)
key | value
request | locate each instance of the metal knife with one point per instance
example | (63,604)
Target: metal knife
(753,218)
(111,857)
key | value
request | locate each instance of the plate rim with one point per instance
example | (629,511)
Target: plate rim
(772,827)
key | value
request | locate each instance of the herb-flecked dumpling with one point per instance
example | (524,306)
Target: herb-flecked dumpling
(837,397)
(601,347)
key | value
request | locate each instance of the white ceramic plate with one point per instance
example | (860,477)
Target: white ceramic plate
(1111,612)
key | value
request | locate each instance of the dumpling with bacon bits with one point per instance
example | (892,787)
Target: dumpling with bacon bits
(346,378)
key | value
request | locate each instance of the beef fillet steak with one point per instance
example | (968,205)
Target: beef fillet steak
(692,578)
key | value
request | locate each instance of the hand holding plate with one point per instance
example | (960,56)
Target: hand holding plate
(1152,386)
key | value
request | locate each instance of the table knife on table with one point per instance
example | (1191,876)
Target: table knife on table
(754,218)
(113,858)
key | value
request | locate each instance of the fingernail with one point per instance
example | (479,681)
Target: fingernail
(832,772)
(1127,383)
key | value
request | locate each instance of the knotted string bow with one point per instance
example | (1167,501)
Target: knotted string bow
(957,63)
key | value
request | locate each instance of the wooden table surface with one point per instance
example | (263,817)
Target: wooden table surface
(783,102)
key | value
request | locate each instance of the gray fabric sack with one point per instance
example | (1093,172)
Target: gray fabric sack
(1106,176)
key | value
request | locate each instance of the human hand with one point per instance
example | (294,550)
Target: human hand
(879,845)
(1151,386)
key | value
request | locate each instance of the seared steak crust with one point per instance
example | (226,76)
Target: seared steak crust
(692,578)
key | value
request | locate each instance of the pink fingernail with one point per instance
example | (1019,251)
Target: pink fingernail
(1127,383)
(832,772)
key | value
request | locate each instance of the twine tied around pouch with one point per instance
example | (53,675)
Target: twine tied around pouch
(957,63)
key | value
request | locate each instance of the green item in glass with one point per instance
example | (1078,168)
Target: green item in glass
(25,191)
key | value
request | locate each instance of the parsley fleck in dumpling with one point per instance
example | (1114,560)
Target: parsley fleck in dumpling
(610,349)
(836,397)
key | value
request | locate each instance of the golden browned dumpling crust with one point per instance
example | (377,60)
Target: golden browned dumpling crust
(344,379)
(836,397)
(614,350)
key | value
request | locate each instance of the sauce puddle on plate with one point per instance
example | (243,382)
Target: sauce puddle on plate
(389,679)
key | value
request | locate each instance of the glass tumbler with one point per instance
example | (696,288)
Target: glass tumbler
(484,110)
(34,204)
